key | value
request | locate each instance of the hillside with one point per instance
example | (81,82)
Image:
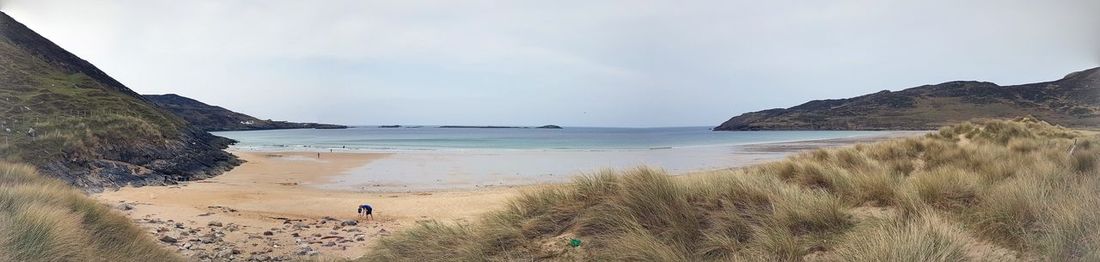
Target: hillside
(74,122)
(987,191)
(215,118)
(1072,101)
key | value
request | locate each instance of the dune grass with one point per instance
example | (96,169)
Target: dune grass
(967,192)
(925,238)
(43,219)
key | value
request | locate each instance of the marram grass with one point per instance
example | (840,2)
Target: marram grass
(1004,190)
(42,219)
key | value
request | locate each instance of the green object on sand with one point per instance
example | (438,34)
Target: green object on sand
(574,242)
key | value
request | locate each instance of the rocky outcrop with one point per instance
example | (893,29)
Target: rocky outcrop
(1073,101)
(74,122)
(215,118)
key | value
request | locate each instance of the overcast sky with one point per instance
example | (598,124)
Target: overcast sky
(575,63)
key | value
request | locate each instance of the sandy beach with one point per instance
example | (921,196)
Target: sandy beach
(272,193)
(278,205)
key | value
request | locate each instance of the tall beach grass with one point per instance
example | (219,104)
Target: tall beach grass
(1005,189)
(43,219)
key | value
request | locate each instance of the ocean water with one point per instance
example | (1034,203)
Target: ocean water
(429,158)
(569,138)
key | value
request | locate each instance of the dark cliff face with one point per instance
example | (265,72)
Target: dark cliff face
(215,118)
(73,121)
(1073,101)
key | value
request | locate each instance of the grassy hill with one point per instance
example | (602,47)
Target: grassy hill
(43,219)
(216,118)
(74,122)
(999,190)
(1072,101)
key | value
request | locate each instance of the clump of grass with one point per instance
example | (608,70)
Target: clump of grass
(874,188)
(660,205)
(1010,186)
(44,219)
(1012,210)
(776,243)
(1069,228)
(430,239)
(945,188)
(924,238)
(804,211)
(641,245)
(1084,163)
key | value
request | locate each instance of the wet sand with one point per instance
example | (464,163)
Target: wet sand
(795,146)
(281,205)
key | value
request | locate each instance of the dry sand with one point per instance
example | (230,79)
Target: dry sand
(267,209)
(272,189)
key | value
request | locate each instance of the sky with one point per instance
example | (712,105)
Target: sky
(573,63)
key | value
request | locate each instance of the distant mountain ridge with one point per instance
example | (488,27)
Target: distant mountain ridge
(63,115)
(215,118)
(1072,101)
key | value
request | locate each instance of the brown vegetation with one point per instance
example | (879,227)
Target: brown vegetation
(43,219)
(1006,190)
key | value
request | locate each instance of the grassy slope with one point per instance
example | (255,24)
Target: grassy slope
(68,109)
(43,219)
(90,131)
(71,113)
(79,121)
(974,190)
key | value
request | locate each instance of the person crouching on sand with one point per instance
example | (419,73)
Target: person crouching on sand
(366,211)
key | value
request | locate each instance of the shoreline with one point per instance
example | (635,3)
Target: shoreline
(459,170)
(276,204)
(353,149)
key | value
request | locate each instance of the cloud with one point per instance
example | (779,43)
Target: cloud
(628,63)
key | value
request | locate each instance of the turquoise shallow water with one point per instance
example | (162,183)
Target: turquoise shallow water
(570,138)
(428,158)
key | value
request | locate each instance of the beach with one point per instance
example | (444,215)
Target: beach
(271,189)
(288,204)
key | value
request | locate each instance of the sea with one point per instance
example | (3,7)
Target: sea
(424,158)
